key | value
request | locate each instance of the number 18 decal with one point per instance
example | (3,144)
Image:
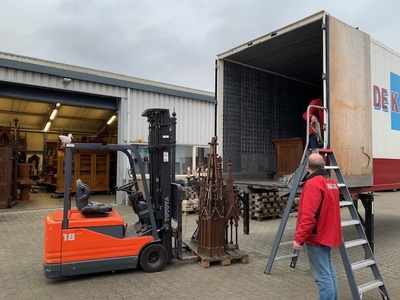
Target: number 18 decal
(69,237)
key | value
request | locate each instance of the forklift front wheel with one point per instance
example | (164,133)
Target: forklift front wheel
(153,258)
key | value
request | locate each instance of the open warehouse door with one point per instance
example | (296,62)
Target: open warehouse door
(31,120)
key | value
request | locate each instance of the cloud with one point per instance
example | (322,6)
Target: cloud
(173,41)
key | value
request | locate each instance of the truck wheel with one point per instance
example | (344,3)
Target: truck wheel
(153,258)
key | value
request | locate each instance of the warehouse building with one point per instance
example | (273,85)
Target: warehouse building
(39,100)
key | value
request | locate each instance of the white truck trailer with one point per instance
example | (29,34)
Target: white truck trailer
(265,85)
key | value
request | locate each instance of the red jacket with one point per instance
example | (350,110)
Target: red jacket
(319,113)
(326,230)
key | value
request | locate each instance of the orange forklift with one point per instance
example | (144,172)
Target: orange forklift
(93,237)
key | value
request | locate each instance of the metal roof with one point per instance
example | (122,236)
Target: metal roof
(79,112)
(14,61)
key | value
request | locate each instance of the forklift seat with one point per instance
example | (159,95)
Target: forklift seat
(139,205)
(86,207)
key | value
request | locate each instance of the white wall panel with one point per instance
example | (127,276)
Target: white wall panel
(195,119)
(386,141)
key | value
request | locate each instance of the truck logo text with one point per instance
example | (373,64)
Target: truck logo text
(389,102)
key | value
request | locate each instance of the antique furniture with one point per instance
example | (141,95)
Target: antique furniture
(288,155)
(93,168)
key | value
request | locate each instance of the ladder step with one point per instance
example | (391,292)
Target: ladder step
(345,203)
(340,185)
(286,243)
(355,243)
(350,222)
(369,286)
(362,264)
(286,256)
(331,167)
(325,150)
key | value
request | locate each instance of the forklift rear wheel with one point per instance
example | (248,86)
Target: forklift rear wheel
(153,258)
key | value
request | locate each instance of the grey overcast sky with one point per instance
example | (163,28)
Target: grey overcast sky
(169,41)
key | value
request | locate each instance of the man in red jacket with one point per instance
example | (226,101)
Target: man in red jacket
(316,123)
(319,225)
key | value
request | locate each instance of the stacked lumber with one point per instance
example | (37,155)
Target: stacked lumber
(190,206)
(268,205)
(190,200)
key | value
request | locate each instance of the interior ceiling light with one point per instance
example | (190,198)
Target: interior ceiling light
(54,112)
(47,127)
(111,119)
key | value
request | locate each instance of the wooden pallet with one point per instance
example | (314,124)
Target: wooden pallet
(223,260)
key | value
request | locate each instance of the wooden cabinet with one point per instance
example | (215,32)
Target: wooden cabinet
(101,172)
(49,173)
(61,172)
(288,155)
(93,168)
(84,172)
(8,178)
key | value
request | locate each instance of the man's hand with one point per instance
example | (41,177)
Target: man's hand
(297,246)
(314,119)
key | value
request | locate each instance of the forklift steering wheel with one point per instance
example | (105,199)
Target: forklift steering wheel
(126,187)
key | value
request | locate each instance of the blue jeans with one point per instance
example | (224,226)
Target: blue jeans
(323,270)
(313,142)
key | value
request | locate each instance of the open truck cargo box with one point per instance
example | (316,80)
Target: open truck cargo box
(265,85)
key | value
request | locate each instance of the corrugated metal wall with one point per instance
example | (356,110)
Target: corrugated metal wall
(56,82)
(195,119)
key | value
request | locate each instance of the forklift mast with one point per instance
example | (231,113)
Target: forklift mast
(163,189)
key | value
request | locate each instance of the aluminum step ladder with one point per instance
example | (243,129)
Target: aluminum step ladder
(367,261)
